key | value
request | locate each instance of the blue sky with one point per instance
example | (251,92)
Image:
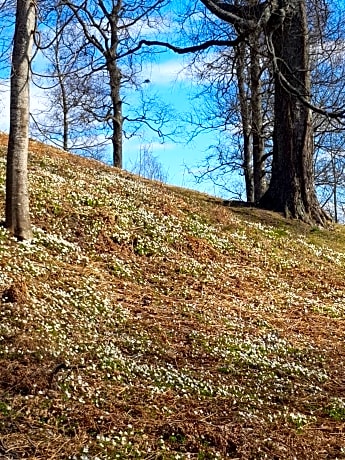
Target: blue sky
(173,85)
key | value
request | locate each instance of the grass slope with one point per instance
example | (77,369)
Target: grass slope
(150,322)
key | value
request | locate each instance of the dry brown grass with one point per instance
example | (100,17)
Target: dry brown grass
(147,321)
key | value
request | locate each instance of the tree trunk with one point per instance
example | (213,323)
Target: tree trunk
(244,110)
(17,195)
(64,99)
(117,120)
(291,190)
(64,105)
(256,111)
(115,84)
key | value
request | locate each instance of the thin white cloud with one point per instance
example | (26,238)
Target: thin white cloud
(36,103)
(171,71)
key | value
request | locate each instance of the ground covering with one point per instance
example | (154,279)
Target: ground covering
(151,322)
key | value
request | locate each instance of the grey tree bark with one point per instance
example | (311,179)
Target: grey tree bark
(115,85)
(250,102)
(17,194)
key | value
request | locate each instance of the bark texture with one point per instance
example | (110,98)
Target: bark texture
(291,190)
(248,70)
(245,119)
(17,195)
(116,103)
(257,123)
(115,83)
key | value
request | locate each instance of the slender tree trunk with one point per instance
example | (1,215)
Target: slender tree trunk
(291,190)
(256,111)
(17,195)
(335,188)
(65,117)
(115,85)
(117,120)
(244,110)
(64,98)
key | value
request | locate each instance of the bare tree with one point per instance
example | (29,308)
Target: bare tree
(235,96)
(111,28)
(327,46)
(17,196)
(7,9)
(70,90)
(249,59)
(284,23)
(330,173)
(147,165)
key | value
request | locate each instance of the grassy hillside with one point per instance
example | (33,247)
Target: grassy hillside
(151,322)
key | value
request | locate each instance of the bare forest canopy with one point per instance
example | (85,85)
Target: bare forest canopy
(150,322)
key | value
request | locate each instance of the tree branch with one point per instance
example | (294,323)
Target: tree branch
(244,17)
(179,50)
(290,88)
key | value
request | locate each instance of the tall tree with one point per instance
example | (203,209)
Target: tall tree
(257,132)
(234,100)
(327,45)
(325,42)
(71,90)
(291,190)
(284,24)
(111,28)
(17,195)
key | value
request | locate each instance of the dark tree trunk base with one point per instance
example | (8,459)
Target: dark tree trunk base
(310,213)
